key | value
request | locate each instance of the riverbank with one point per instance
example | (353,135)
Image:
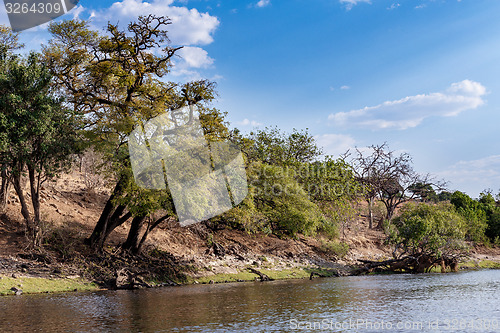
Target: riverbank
(26,276)
(232,256)
(173,255)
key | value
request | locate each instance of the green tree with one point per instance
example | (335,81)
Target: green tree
(332,185)
(275,147)
(425,234)
(283,201)
(424,192)
(117,79)
(9,42)
(492,211)
(276,203)
(38,133)
(444,196)
(474,213)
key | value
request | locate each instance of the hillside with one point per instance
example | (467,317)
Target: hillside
(173,253)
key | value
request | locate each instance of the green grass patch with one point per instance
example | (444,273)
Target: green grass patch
(483,264)
(31,285)
(220,278)
(293,273)
(489,264)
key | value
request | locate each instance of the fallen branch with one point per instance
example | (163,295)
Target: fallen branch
(263,277)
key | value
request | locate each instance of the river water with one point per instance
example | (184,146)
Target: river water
(454,302)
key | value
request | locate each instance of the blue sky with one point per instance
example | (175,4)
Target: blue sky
(423,75)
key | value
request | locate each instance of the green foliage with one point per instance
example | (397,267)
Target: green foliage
(474,213)
(328,180)
(289,191)
(444,196)
(425,192)
(9,41)
(283,201)
(338,249)
(276,203)
(436,230)
(37,133)
(493,230)
(246,216)
(36,129)
(274,147)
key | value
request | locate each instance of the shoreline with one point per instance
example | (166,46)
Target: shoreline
(19,283)
(173,255)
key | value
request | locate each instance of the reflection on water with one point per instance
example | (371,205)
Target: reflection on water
(400,303)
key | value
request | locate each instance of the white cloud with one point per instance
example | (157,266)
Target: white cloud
(341,88)
(195,57)
(247,122)
(393,6)
(412,110)
(77,11)
(350,3)
(186,74)
(189,26)
(263,3)
(474,176)
(335,144)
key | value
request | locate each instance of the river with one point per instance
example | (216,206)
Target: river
(454,302)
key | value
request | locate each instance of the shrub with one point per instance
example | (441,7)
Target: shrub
(474,214)
(436,230)
(275,203)
(338,249)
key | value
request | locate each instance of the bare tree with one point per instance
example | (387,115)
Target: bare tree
(366,171)
(388,177)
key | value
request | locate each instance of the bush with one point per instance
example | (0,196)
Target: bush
(276,203)
(474,213)
(283,201)
(436,230)
(338,249)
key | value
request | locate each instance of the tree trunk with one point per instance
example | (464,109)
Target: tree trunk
(4,190)
(35,201)
(132,242)
(370,212)
(110,218)
(24,207)
(390,212)
(149,228)
(380,224)
(143,239)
